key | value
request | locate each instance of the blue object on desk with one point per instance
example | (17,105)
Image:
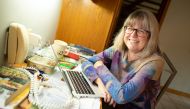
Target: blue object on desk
(85,50)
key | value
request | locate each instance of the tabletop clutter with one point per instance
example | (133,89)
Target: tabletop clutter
(34,85)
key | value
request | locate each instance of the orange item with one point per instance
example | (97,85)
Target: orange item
(73,55)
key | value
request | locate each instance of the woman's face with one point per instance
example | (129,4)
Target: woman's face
(135,38)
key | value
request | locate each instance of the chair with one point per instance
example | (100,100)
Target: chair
(172,72)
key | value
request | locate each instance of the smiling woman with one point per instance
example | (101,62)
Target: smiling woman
(129,71)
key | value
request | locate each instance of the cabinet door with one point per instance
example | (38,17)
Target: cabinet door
(88,22)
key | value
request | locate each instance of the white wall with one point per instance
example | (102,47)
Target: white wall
(39,15)
(175,41)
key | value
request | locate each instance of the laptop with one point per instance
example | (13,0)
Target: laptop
(79,84)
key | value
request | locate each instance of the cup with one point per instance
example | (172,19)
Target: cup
(59,48)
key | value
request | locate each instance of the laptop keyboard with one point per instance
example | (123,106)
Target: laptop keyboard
(79,82)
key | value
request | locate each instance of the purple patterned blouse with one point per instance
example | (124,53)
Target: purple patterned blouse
(137,90)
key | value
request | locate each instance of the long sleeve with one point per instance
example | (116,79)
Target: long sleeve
(127,92)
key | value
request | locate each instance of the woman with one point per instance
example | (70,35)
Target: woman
(129,71)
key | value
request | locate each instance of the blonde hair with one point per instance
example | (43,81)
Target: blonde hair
(147,20)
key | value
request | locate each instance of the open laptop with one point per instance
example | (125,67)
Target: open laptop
(78,83)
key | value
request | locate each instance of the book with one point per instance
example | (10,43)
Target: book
(14,86)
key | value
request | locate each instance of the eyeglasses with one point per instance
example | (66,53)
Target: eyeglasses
(140,32)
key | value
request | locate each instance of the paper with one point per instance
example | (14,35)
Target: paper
(89,103)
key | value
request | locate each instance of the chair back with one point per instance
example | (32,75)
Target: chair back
(171,72)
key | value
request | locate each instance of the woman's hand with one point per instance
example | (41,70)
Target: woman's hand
(107,96)
(98,81)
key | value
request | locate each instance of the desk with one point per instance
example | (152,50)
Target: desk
(83,103)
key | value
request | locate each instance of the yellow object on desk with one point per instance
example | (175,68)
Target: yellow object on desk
(19,95)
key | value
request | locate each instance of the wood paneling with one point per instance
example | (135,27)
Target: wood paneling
(88,23)
(179,93)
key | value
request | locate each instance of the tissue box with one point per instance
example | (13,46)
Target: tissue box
(44,64)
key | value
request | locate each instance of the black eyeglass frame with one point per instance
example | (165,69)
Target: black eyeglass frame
(148,32)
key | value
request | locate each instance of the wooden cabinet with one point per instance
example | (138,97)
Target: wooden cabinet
(88,22)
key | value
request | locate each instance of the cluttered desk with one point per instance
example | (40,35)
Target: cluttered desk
(52,79)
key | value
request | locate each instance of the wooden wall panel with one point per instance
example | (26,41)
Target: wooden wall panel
(87,23)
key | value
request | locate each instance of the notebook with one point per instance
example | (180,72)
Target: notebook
(79,84)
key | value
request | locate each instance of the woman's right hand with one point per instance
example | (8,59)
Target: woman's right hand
(98,81)
(107,96)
